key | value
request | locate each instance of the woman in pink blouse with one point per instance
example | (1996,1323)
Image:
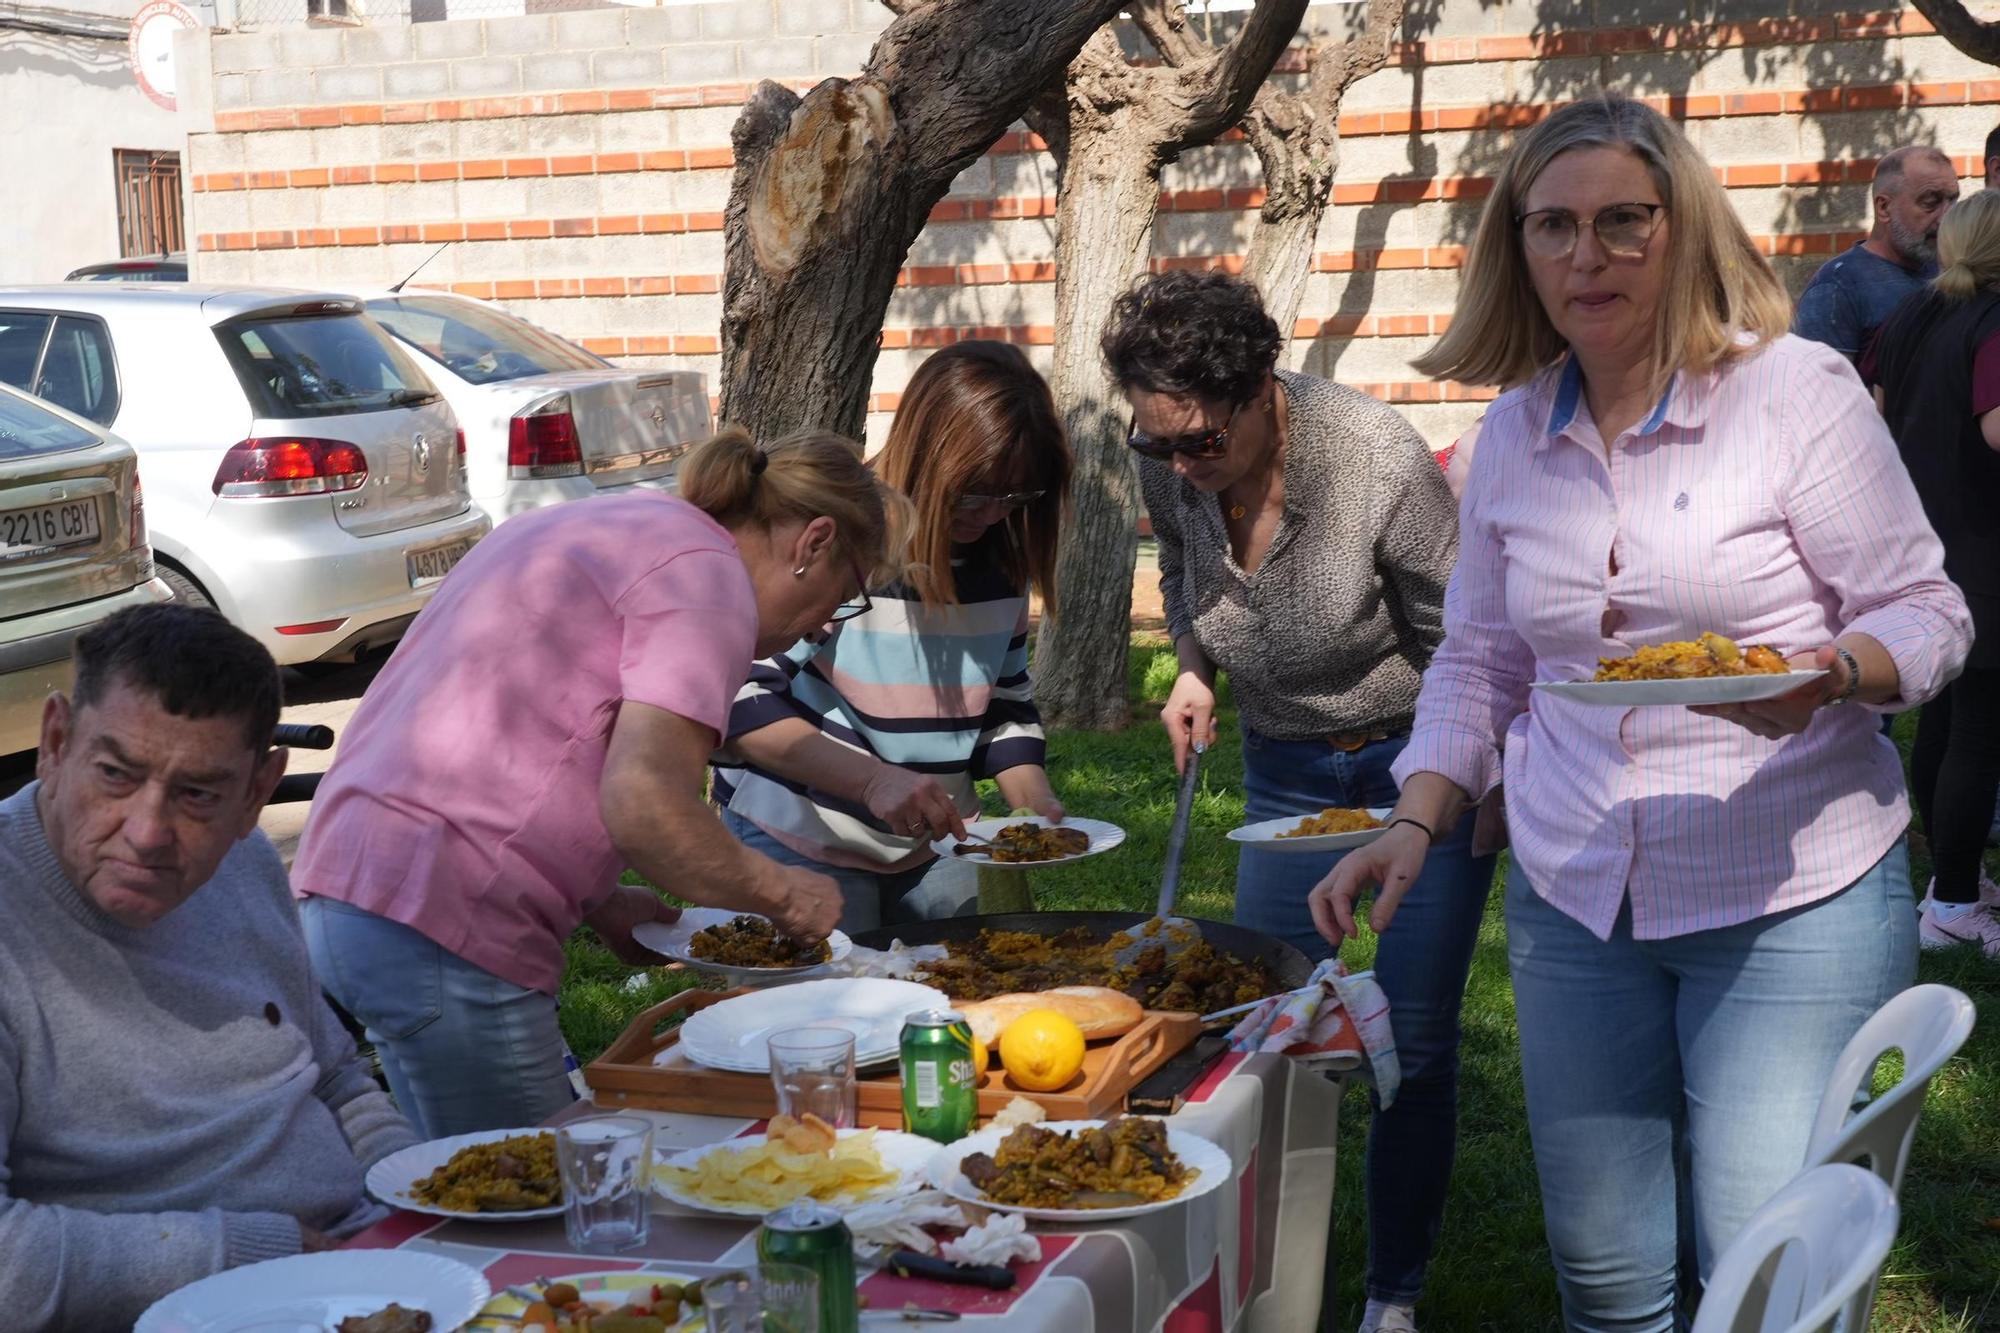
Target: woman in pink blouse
(1704,903)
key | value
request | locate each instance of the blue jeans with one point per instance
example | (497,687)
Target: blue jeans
(463,1050)
(1421,963)
(871,898)
(1685,1072)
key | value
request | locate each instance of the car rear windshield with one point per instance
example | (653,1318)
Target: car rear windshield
(321,365)
(27,430)
(478,344)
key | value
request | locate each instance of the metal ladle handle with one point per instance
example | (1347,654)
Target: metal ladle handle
(1170,876)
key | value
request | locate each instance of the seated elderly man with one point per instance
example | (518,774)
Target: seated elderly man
(175,1096)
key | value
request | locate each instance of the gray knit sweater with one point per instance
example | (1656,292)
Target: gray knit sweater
(1334,630)
(173,1101)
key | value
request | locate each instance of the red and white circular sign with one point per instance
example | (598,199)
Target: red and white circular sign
(151,42)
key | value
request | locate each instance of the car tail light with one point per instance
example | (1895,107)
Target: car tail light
(286,465)
(543,443)
(138,524)
(461,444)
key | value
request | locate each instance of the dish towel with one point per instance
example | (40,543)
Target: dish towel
(1337,1022)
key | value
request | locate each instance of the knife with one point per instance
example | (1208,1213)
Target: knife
(1170,877)
(1164,1091)
(908,1263)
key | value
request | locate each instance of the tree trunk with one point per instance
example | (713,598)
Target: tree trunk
(1974,37)
(831,189)
(1116,127)
(1104,223)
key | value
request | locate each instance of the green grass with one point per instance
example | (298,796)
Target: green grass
(1492,1268)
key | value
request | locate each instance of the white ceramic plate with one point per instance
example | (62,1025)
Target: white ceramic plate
(731,1033)
(1103,837)
(905,1154)
(310,1293)
(672,941)
(391,1179)
(1265,836)
(1210,1164)
(1677,693)
(605,1291)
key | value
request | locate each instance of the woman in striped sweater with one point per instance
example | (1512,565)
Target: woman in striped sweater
(852,750)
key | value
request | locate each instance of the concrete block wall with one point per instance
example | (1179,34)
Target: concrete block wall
(580,163)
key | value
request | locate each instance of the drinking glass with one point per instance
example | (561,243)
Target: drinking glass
(606,1164)
(776,1298)
(813,1071)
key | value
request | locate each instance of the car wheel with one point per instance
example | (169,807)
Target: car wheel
(186,591)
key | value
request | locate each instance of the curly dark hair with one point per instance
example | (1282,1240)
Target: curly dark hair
(1202,334)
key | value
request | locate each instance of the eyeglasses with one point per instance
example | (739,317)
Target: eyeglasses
(966,504)
(1204,444)
(857,605)
(1622,229)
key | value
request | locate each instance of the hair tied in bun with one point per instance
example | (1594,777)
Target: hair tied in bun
(758,462)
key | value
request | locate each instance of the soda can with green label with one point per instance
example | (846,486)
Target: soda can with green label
(940,1087)
(812,1235)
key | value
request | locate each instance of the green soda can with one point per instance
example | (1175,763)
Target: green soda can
(810,1234)
(940,1088)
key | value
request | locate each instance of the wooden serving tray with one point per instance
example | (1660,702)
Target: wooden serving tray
(645,1068)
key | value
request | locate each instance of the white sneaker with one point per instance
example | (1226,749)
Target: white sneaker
(1380,1318)
(1989,892)
(1980,926)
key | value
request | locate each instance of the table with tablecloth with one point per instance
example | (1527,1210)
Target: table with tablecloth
(1249,1256)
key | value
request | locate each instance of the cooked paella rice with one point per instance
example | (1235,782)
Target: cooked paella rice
(504,1176)
(1690,659)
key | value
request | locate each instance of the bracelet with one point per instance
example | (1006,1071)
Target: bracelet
(1853,677)
(1429,837)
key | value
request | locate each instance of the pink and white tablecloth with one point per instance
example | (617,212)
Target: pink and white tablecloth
(1247,1257)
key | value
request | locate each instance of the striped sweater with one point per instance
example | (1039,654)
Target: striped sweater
(941,690)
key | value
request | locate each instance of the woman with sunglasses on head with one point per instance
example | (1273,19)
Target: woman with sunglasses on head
(1305,536)
(855,749)
(1703,904)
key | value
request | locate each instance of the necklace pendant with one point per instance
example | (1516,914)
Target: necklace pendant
(1237,511)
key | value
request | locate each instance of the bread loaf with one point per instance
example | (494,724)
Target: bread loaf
(1098,1010)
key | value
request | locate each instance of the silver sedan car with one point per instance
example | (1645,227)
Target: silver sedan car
(545,420)
(302,475)
(72,551)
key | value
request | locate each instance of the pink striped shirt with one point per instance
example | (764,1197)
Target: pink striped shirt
(1764,501)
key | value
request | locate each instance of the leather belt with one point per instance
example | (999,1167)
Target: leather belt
(1350,741)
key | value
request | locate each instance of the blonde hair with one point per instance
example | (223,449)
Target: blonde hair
(977,417)
(807,475)
(1717,286)
(1969,246)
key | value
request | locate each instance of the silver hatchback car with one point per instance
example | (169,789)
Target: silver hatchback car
(301,473)
(72,551)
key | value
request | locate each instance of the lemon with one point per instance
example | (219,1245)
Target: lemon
(1042,1050)
(981,1058)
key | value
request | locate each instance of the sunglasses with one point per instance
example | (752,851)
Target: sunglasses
(966,504)
(1208,444)
(857,605)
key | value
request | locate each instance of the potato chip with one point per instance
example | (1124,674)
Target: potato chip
(775,1173)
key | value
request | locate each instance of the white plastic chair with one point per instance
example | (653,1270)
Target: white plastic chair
(1928,1024)
(1808,1256)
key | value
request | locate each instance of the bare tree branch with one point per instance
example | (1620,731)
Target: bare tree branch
(1164,24)
(1218,91)
(1976,38)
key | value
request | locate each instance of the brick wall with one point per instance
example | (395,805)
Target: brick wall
(581,162)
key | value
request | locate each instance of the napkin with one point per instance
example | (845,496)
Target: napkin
(1338,1022)
(899,961)
(999,1240)
(899,1224)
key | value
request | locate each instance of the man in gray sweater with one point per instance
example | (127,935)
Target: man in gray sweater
(175,1096)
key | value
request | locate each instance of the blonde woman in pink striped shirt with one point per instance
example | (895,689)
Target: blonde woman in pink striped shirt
(1704,903)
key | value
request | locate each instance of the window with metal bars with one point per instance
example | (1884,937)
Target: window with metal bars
(149,201)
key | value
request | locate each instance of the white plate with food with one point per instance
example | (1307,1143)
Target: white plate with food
(731,1034)
(1026,842)
(1678,693)
(347,1290)
(710,939)
(1198,1167)
(1302,833)
(758,1174)
(662,1295)
(496,1175)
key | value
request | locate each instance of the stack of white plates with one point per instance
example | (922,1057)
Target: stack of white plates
(731,1035)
